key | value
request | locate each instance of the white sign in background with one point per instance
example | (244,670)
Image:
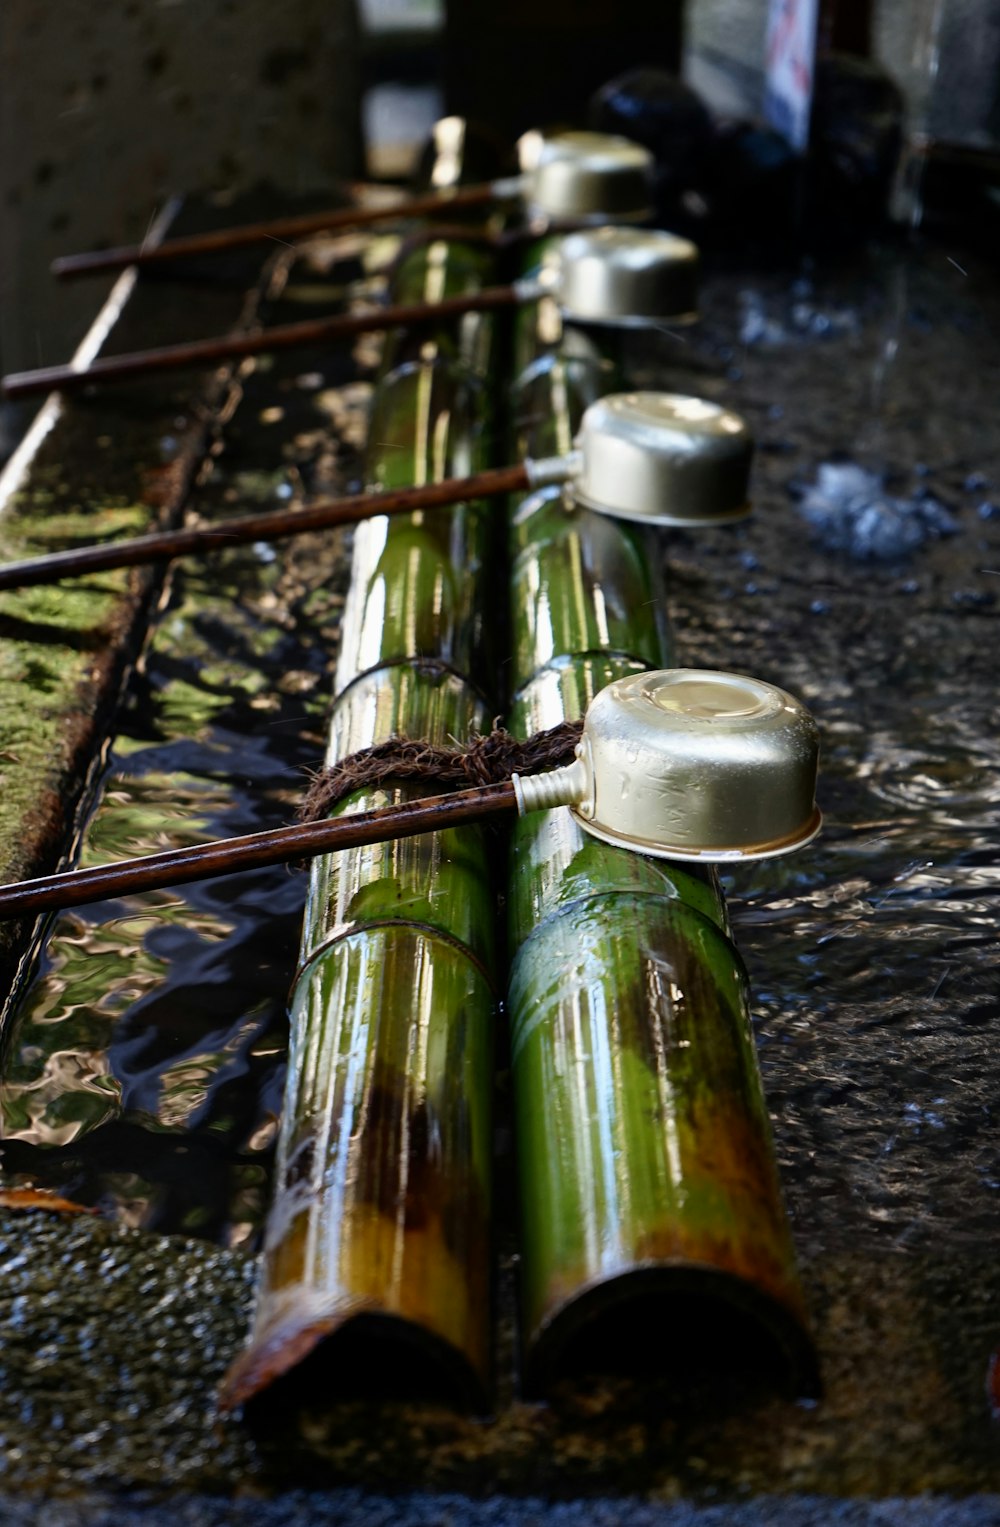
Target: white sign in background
(790,70)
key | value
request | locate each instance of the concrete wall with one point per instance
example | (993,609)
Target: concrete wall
(106,109)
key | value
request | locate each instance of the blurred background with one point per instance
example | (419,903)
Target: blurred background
(105,111)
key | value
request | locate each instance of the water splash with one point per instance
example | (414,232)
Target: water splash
(851,510)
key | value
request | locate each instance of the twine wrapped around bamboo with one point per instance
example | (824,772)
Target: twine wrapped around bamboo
(650,1202)
(380,1228)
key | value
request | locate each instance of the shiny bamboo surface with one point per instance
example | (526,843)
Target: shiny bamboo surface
(381,1220)
(646,1167)
(444,269)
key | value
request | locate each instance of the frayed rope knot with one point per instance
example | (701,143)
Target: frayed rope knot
(488,759)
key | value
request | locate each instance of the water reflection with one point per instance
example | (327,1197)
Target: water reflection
(144,1072)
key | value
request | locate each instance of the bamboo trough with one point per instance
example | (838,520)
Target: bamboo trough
(648,1186)
(380,1227)
(647,1182)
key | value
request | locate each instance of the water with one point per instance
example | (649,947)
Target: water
(144,1075)
(872,954)
(867,586)
(851,510)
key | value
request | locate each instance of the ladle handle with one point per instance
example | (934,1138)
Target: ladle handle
(289,336)
(270,525)
(230,856)
(568,786)
(96,262)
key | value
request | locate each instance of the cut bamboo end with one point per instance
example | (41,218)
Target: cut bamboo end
(653,1171)
(348,1353)
(692,1321)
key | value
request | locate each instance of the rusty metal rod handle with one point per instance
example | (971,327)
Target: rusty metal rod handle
(203,352)
(270,525)
(96,262)
(230,856)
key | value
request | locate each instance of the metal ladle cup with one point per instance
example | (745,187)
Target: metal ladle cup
(622,277)
(585,175)
(688,763)
(658,457)
(652,456)
(682,764)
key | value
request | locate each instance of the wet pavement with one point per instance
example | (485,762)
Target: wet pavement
(872,956)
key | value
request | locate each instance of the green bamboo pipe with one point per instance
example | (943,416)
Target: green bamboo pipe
(646,1168)
(380,1224)
(438,271)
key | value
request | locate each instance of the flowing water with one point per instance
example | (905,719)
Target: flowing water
(144,1075)
(868,583)
(144,1070)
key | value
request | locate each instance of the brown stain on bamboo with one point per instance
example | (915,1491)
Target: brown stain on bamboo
(402,1128)
(383,1225)
(304,1318)
(723,1153)
(636,1088)
(743,1257)
(412,1226)
(455,1203)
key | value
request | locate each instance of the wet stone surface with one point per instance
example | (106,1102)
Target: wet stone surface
(873,960)
(112,1342)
